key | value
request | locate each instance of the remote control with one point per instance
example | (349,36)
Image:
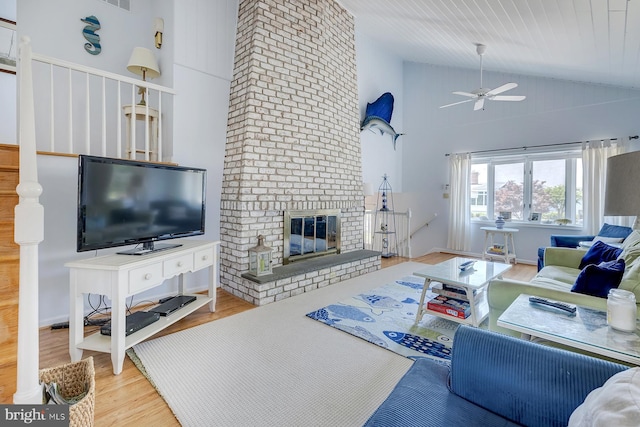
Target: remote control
(566,307)
(466,265)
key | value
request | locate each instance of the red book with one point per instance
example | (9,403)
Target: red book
(450,306)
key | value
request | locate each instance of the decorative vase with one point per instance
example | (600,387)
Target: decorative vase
(499,222)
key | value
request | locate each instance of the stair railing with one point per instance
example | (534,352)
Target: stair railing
(29,232)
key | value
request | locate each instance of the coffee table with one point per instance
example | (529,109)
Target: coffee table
(587,330)
(474,282)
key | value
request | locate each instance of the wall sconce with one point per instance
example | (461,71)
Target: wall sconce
(159,27)
(260,258)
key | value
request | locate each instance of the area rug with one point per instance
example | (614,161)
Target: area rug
(385,316)
(274,366)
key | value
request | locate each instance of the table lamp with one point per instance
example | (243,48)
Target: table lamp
(143,63)
(622,194)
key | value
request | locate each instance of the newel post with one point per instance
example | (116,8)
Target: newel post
(29,232)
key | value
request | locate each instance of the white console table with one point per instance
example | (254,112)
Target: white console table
(120,276)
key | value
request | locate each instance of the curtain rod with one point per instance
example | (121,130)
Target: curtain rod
(536,146)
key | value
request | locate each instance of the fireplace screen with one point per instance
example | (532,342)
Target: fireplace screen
(311,233)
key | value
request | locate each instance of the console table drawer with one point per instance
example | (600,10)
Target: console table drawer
(145,277)
(203,258)
(177,265)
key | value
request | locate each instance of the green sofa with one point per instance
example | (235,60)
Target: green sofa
(557,277)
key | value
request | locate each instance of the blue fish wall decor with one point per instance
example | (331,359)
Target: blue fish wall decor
(378,116)
(89,32)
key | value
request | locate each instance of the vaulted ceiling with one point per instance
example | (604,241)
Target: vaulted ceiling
(596,41)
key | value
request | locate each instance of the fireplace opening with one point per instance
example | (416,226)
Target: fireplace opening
(311,233)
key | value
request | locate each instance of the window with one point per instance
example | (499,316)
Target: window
(541,187)
(8,46)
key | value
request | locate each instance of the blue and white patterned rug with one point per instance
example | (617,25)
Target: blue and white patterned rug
(385,316)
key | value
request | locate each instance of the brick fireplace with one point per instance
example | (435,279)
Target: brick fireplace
(293,142)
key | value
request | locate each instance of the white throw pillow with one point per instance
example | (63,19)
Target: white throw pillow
(608,239)
(616,403)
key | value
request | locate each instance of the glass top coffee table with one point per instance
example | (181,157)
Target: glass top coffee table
(587,330)
(472,282)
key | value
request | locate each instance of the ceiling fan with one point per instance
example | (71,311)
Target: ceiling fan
(479,95)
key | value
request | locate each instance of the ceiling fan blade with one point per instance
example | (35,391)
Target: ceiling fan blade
(479,104)
(508,98)
(469,94)
(456,103)
(505,87)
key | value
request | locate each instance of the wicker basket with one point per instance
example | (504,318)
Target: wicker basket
(72,379)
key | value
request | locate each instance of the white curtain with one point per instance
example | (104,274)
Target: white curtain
(459,218)
(594,164)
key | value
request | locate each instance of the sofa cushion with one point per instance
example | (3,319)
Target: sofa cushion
(597,280)
(599,252)
(609,230)
(631,278)
(608,239)
(632,240)
(629,254)
(616,403)
(528,383)
(566,276)
(422,397)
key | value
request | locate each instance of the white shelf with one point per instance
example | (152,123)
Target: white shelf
(102,343)
(120,276)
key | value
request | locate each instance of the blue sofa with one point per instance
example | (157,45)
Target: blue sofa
(493,380)
(572,241)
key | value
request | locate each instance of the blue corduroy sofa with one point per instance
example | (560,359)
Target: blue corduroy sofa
(493,380)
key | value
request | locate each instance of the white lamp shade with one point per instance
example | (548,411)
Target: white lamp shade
(622,194)
(143,62)
(367,188)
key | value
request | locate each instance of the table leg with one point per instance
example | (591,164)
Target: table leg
(513,248)
(76,321)
(472,304)
(484,249)
(421,311)
(506,248)
(118,321)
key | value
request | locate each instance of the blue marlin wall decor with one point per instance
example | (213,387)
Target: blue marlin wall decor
(378,116)
(89,32)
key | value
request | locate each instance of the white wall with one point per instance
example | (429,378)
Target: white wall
(555,111)
(198,127)
(379,72)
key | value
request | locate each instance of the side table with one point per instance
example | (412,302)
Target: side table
(151,130)
(509,252)
(587,330)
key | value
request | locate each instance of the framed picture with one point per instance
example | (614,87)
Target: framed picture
(534,217)
(506,216)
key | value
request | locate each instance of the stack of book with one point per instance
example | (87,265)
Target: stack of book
(454,303)
(450,291)
(496,249)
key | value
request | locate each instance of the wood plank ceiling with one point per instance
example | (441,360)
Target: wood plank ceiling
(595,41)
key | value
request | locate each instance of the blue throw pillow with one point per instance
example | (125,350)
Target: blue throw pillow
(600,252)
(597,280)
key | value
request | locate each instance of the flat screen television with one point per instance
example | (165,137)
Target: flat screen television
(127,202)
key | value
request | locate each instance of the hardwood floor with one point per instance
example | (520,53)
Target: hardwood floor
(129,399)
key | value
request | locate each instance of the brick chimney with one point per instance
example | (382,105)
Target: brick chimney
(293,138)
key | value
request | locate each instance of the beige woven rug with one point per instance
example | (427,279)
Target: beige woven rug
(273,366)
